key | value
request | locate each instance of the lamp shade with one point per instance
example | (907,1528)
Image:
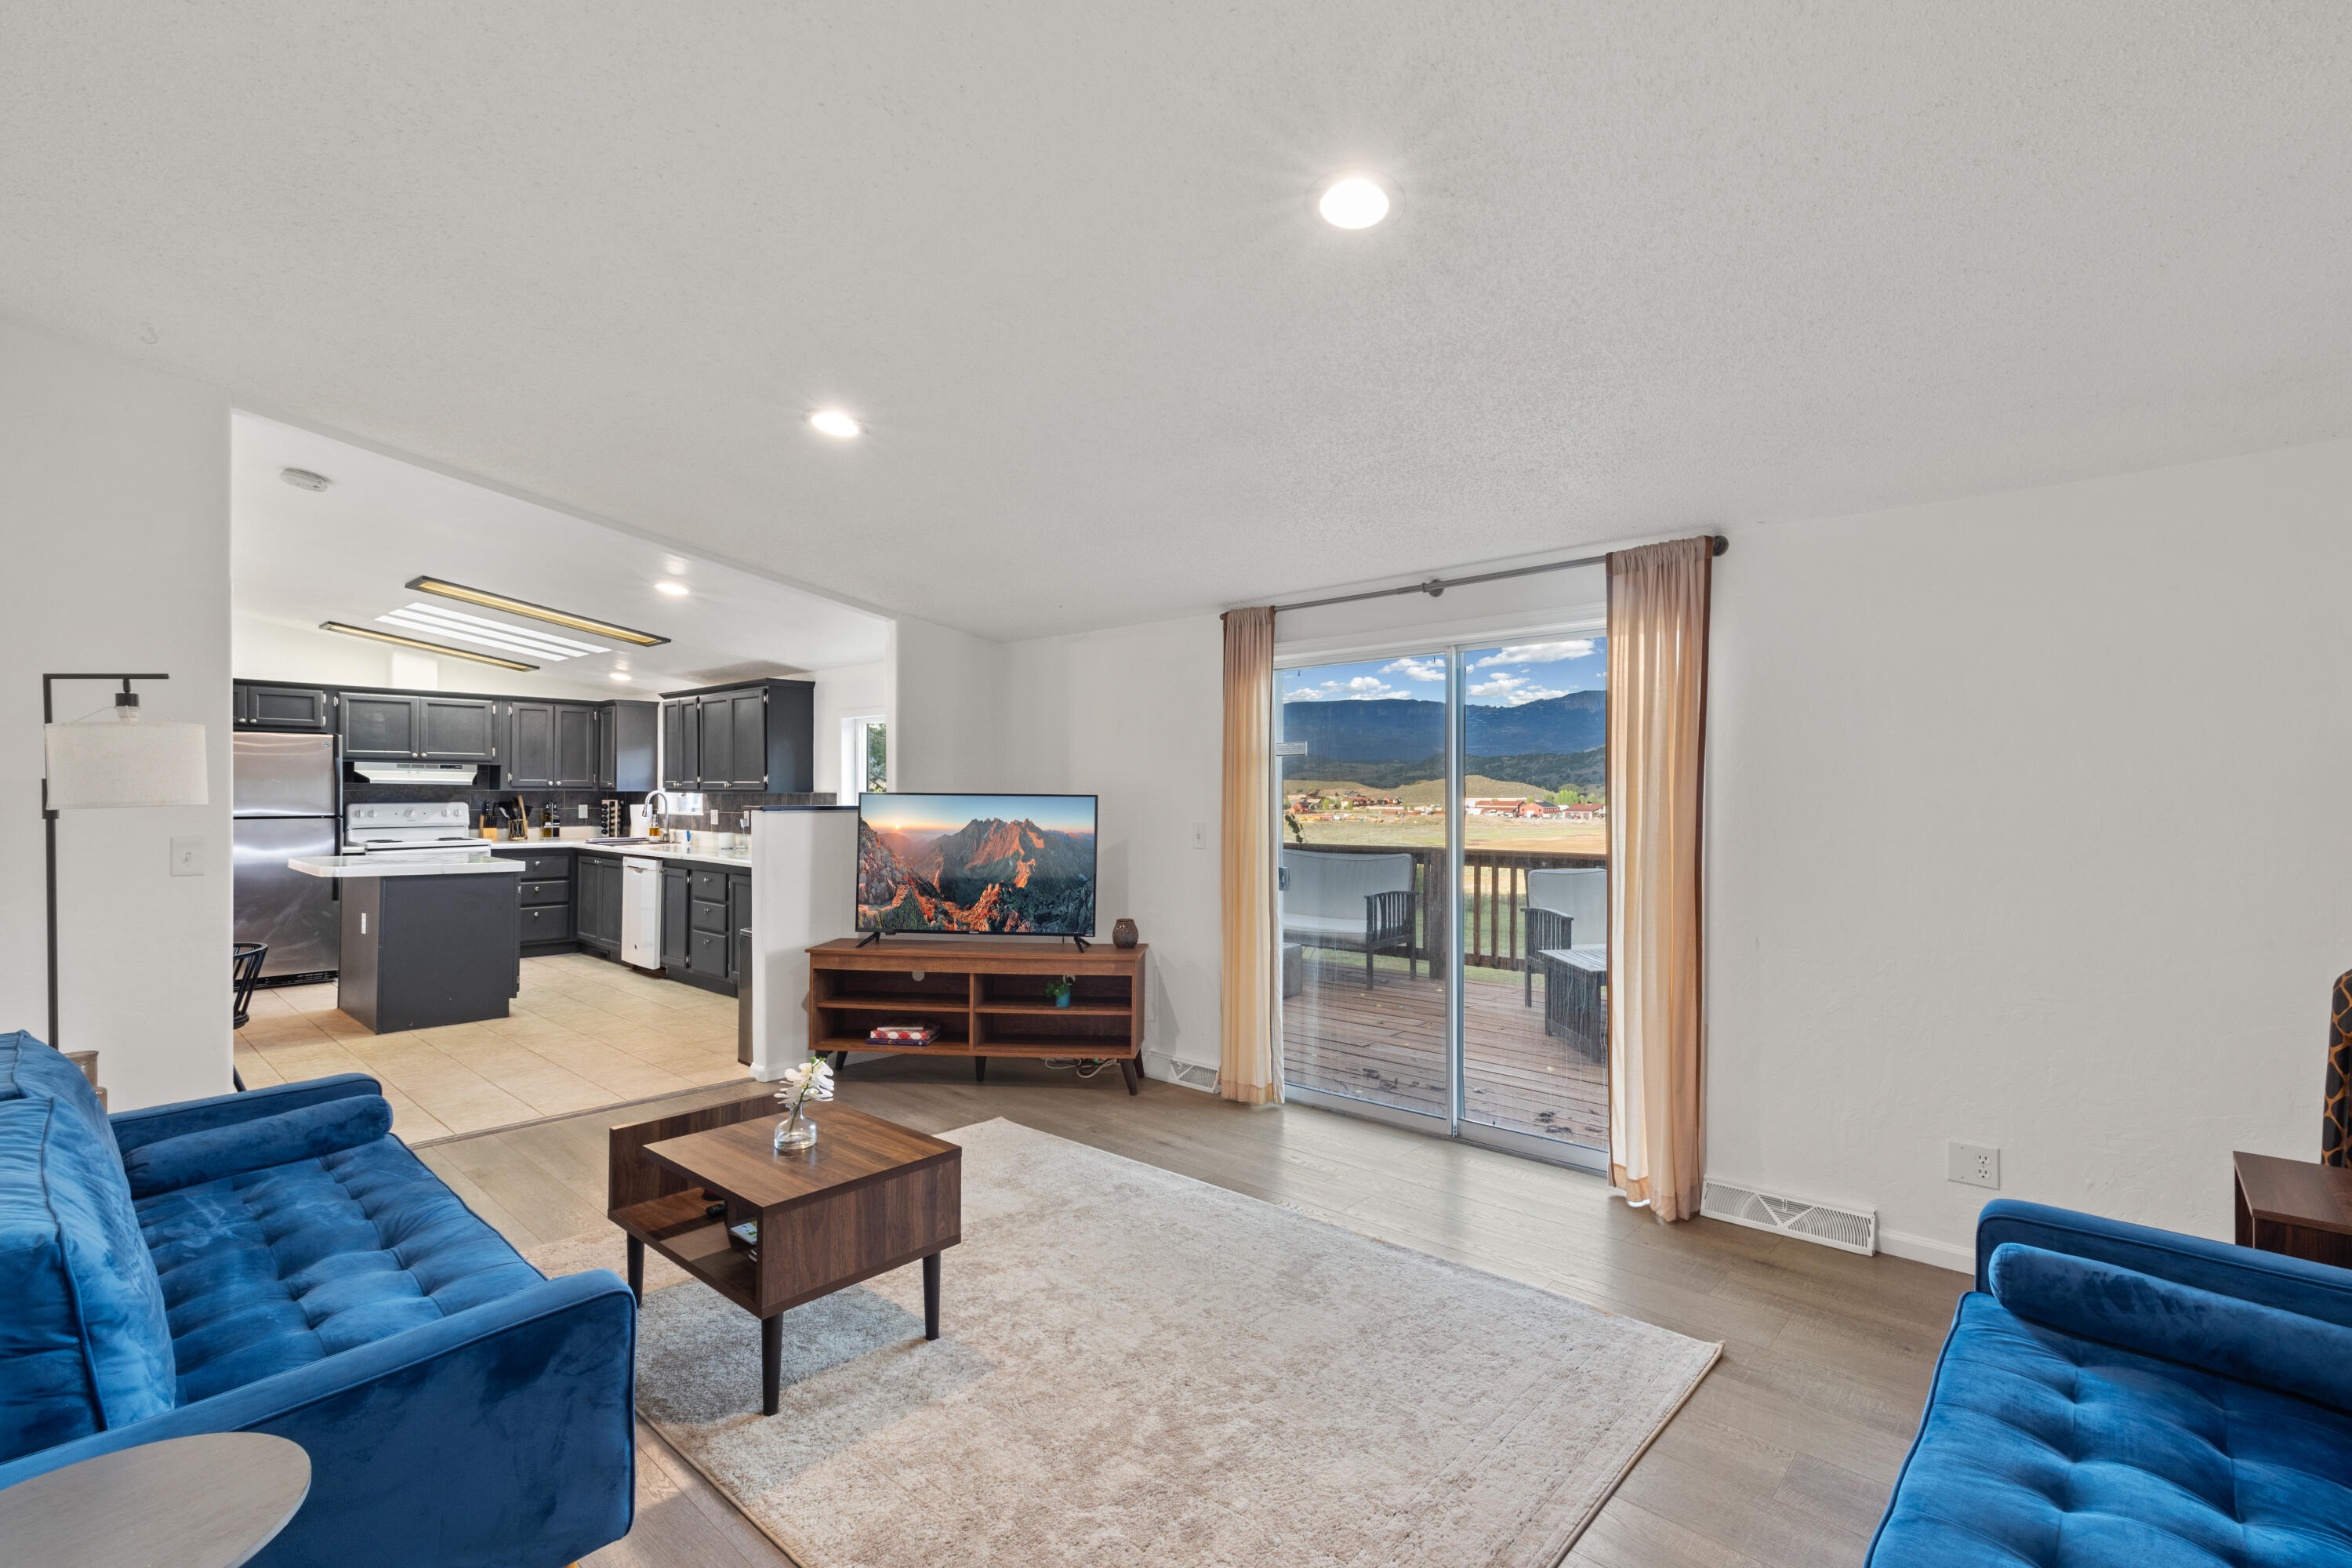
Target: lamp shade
(125,761)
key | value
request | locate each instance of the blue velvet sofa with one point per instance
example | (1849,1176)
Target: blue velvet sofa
(277,1261)
(2113,1397)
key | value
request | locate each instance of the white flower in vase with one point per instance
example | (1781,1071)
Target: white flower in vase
(809,1080)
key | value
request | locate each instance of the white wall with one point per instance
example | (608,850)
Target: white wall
(265,649)
(2028,826)
(852,690)
(946,709)
(1136,717)
(114,488)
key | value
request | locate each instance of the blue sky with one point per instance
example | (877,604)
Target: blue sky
(1503,677)
(946,813)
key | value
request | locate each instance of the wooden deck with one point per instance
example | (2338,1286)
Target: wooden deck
(1387,1044)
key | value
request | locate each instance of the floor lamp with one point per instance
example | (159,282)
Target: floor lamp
(119,759)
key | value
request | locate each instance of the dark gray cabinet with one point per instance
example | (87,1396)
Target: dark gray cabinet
(624,746)
(576,746)
(678,903)
(379,727)
(702,908)
(739,919)
(294,708)
(758,736)
(598,915)
(403,727)
(531,746)
(544,898)
(458,730)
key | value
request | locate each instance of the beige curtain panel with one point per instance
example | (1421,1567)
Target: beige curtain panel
(1250,1069)
(1657,752)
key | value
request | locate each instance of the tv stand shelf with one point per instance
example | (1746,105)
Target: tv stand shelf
(985,999)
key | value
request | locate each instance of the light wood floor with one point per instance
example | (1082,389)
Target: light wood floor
(582,1032)
(1386,1043)
(1783,1458)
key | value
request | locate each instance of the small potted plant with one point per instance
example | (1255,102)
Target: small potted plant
(1060,987)
(811,1080)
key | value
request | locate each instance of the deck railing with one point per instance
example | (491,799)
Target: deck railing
(1493,897)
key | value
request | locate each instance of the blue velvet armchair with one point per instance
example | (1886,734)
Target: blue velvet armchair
(2116,1397)
(276,1261)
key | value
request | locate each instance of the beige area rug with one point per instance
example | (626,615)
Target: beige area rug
(1135,1367)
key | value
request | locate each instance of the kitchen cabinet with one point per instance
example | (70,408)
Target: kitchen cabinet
(598,917)
(702,908)
(405,726)
(456,729)
(293,707)
(739,918)
(576,746)
(625,734)
(379,727)
(552,745)
(544,899)
(676,905)
(757,737)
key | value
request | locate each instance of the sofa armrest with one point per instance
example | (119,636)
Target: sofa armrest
(2268,1279)
(135,1128)
(501,1434)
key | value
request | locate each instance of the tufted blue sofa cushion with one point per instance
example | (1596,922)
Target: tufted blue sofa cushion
(84,1345)
(2042,1448)
(273,1269)
(29,1069)
(306,1132)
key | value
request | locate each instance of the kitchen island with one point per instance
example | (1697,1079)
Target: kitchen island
(427,939)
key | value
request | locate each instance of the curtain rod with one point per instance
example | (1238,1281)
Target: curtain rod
(1436,586)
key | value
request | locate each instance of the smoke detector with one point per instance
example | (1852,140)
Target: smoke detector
(304,480)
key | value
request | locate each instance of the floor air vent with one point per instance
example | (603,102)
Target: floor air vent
(1193,1075)
(1848,1230)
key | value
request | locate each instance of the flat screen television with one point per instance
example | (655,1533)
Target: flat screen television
(995,865)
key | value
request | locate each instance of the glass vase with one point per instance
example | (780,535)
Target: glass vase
(795,1132)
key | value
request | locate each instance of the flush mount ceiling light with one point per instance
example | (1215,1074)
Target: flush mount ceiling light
(1352,201)
(524,607)
(835,423)
(304,480)
(674,590)
(422,646)
(457,624)
(617,674)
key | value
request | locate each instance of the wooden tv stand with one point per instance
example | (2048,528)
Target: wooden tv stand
(985,999)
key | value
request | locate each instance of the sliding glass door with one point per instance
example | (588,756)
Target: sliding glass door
(1443,889)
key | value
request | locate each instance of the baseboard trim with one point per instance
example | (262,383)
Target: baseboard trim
(1920,1249)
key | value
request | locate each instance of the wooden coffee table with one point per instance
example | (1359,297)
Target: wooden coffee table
(870,1196)
(2294,1208)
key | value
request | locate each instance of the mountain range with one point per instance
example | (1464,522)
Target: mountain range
(990,875)
(1405,729)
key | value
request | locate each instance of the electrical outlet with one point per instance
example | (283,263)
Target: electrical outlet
(583,813)
(1974,1164)
(1200,836)
(188,856)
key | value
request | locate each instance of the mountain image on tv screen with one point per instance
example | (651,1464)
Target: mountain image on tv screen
(1009,864)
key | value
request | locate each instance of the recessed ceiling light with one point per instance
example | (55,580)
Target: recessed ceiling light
(444,649)
(304,480)
(1353,201)
(833,422)
(674,590)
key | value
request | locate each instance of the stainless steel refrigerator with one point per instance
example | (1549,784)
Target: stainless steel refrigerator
(285,802)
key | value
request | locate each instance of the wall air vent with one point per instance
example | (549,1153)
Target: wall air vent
(1831,1224)
(1193,1075)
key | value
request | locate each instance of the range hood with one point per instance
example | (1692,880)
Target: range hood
(456,775)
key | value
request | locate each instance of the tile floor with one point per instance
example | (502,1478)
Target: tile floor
(584,1033)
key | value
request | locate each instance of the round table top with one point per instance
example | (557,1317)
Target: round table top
(207,1501)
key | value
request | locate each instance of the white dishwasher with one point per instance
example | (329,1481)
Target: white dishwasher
(640,912)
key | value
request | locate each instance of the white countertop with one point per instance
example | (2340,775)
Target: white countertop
(409,863)
(663,851)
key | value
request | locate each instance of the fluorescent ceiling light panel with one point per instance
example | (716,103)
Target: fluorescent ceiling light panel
(530,611)
(374,636)
(490,633)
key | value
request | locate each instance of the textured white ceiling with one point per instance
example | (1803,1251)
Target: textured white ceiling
(1652,264)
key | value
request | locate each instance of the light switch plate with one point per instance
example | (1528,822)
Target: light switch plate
(1974,1164)
(1200,836)
(188,856)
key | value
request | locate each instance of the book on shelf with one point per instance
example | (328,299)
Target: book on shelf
(902,1033)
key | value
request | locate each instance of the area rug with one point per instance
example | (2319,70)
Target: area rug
(1135,1367)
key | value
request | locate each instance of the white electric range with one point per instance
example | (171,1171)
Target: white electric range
(391,827)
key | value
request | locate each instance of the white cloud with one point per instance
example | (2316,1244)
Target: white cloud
(1416,669)
(1498,685)
(1540,653)
(1532,694)
(1361,688)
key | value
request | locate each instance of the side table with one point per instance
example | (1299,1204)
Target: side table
(2295,1207)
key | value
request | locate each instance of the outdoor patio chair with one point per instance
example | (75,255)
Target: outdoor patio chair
(1352,902)
(1562,902)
